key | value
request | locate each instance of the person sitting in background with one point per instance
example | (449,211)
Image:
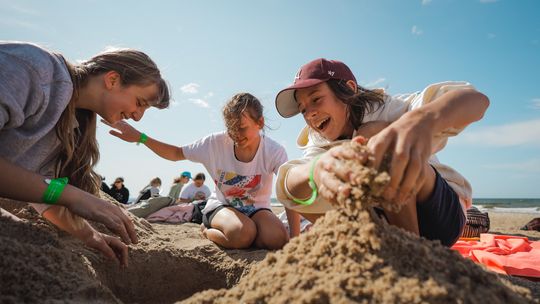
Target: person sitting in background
(151,190)
(119,192)
(195,191)
(178,184)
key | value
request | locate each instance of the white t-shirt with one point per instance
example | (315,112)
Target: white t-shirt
(394,106)
(237,183)
(191,191)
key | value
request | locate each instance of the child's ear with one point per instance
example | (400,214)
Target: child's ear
(261,122)
(112,79)
(352,84)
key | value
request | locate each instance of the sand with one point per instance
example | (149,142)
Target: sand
(353,260)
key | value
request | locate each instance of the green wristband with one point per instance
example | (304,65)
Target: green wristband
(142,139)
(54,190)
(312,185)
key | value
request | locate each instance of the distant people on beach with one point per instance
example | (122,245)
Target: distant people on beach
(119,192)
(178,184)
(48,110)
(412,128)
(196,191)
(242,161)
(150,190)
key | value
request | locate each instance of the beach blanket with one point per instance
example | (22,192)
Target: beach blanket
(507,254)
(174,214)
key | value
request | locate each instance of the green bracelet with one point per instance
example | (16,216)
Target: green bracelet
(54,190)
(312,185)
(142,139)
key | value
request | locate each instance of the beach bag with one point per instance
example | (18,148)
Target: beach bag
(477,222)
(197,216)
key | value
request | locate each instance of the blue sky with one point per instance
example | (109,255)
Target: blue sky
(210,50)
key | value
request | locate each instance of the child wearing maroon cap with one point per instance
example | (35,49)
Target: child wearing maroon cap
(411,127)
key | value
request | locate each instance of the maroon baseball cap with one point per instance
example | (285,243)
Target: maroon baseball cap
(310,74)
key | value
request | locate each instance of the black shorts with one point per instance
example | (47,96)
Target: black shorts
(441,216)
(249,211)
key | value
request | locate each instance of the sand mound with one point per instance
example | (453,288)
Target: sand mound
(351,256)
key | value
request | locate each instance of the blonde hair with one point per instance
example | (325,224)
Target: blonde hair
(236,106)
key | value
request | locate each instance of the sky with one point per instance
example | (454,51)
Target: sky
(210,50)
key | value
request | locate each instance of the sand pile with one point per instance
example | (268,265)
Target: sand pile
(351,256)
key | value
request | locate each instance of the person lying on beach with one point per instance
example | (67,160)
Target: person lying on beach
(410,128)
(48,110)
(149,191)
(242,161)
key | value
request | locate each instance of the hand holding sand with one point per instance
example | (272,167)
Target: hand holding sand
(408,140)
(123,130)
(331,177)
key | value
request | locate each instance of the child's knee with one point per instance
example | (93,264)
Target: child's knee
(241,236)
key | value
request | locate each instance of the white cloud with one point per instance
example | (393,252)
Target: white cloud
(531,165)
(23,10)
(208,95)
(426,2)
(190,88)
(536,103)
(508,135)
(491,36)
(375,82)
(488,1)
(416,31)
(199,102)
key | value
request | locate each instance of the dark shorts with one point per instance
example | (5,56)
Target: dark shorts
(249,211)
(441,216)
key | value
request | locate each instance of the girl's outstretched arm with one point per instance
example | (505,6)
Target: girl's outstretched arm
(126,132)
(409,139)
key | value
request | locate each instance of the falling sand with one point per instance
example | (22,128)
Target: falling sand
(350,255)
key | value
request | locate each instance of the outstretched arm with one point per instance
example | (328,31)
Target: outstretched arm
(126,132)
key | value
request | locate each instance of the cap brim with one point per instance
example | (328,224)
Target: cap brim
(286,104)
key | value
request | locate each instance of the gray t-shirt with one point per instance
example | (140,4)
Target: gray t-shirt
(35,88)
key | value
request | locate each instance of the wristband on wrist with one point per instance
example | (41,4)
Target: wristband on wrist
(142,139)
(312,185)
(54,190)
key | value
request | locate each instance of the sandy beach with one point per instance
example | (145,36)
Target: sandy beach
(171,263)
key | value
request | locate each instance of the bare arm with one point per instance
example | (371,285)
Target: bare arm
(126,132)
(294,219)
(20,184)
(409,138)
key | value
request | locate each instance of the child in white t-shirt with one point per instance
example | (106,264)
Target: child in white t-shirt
(196,191)
(242,162)
(412,128)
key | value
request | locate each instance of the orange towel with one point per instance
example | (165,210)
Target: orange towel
(507,254)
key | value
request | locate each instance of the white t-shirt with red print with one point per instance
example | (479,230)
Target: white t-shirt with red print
(237,183)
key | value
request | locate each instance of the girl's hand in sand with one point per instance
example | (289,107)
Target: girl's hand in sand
(123,130)
(408,140)
(109,214)
(331,177)
(109,246)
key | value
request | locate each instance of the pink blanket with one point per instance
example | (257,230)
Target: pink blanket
(174,214)
(507,254)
